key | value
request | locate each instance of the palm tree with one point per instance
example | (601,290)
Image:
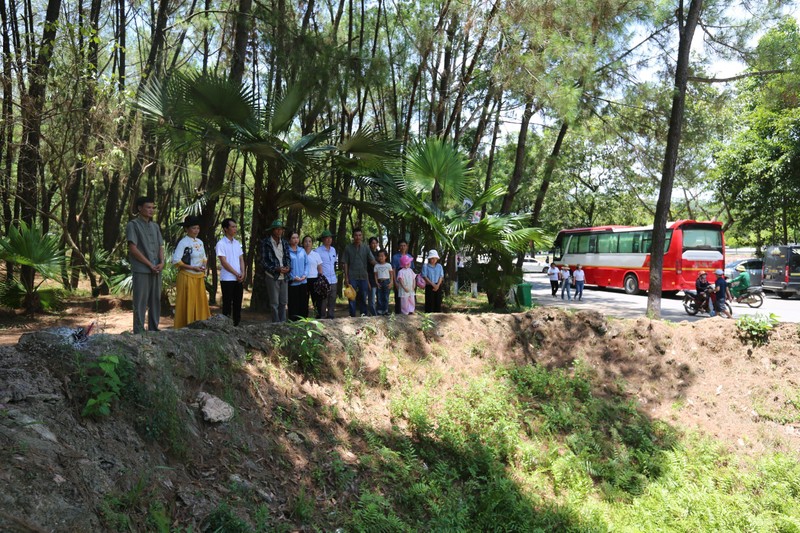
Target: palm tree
(194,112)
(433,193)
(27,246)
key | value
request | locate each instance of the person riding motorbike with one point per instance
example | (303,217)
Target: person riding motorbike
(704,289)
(740,283)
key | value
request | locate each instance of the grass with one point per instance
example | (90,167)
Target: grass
(531,449)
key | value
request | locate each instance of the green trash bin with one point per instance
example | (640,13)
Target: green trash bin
(524,294)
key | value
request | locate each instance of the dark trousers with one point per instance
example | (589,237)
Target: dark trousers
(554,286)
(298,301)
(433,299)
(310,295)
(327,305)
(232,292)
(396,301)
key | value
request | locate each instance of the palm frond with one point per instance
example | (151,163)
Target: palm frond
(286,109)
(434,162)
(312,205)
(28,246)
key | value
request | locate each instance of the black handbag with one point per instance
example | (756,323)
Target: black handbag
(187,256)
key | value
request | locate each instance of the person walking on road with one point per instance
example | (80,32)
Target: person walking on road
(553,276)
(566,280)
(580,279)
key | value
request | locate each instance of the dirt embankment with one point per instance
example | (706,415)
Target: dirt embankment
(156,458)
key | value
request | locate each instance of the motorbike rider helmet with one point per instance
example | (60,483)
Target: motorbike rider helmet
(701,274)
(740,268)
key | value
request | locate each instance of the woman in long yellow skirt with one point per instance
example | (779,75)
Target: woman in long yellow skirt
(191,301)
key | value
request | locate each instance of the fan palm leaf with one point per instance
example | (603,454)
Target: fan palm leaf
(434,162)
(28,246)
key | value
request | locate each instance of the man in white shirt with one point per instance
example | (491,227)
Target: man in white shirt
(580,279)
(231,277)
(552,275)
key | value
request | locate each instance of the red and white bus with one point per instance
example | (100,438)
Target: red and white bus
(619,256)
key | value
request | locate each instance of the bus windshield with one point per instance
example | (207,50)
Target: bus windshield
(702,238)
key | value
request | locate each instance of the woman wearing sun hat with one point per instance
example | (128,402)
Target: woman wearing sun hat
(191,300)
(433,273)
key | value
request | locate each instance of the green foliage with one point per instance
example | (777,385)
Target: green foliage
(755,329)
(104,385)
(27,246)
(304,343)
(302,508)
(222,519)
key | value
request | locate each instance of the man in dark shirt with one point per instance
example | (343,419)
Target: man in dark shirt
(276,260)
(702,286)
(146,256)
(723,293)
(355,259)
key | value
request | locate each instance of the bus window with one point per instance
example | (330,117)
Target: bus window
(592,244)
(702,238)
(667,240)
(626,242)
(573,246)
(583,244)
(607,243)
(558,250)
(647,241)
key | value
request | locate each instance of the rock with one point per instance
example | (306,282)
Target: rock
(214,410)
(294,438)
(29,423)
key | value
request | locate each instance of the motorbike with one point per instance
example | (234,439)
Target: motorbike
(690,303)
(754,297)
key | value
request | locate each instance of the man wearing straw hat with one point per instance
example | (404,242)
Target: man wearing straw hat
(276,259)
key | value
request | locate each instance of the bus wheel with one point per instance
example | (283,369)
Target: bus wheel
(631,284)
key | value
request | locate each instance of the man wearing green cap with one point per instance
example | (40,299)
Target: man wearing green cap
(276,259)
(329,258)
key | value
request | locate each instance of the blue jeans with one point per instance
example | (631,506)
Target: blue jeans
(579,290)
(371,303)
(362,290)
(565,286)
(383,297)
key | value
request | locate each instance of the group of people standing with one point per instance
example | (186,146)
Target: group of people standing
(294,271)
(566,279)
(296,275)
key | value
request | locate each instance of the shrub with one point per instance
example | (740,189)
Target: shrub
(304,343)
(756,329)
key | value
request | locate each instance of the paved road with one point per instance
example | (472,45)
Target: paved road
(616,303)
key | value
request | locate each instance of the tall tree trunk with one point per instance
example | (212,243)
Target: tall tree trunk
(548,174)
(216,176)
(75,185)
(30,159)
(519,159)
(686,28)
(119,192)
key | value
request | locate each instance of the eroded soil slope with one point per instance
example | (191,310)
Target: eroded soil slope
(156,460)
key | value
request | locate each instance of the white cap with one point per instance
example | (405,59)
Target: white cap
(433,253)
(718,272)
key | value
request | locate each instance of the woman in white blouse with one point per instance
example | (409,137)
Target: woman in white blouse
(191,300)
